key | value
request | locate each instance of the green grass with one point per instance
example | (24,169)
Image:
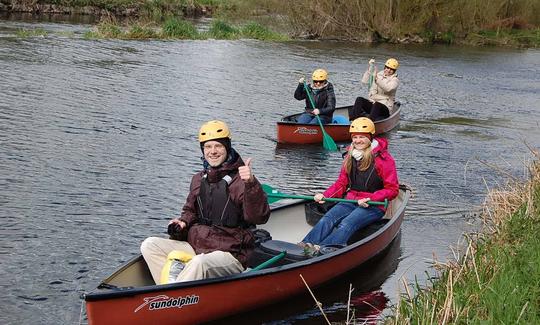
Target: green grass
(255,30)
(498,280)
(222,30)
(179,29)
(23,33)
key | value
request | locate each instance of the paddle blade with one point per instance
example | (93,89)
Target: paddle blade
(328,143)
(269,190)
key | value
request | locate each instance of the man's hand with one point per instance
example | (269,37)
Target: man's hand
(301,80)
(177,230)
(245,171)
(180,223)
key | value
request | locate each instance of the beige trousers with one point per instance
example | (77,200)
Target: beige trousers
(202,266)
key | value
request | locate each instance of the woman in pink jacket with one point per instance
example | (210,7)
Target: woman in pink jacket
(368,174)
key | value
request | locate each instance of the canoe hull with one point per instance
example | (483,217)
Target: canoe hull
(289,131)
(211,299)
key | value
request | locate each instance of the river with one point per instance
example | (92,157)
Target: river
(98,143)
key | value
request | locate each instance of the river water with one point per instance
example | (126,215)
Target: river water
(98,143)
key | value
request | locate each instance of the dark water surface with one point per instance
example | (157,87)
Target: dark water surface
(98,143)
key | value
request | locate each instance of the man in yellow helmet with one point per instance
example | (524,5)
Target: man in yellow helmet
(324,99)
(382,92)
(224,201)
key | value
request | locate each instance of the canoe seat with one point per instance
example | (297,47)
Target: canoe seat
(340,119)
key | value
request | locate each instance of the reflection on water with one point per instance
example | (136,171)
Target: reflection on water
(99,142)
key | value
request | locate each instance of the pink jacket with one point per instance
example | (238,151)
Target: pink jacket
(386,169)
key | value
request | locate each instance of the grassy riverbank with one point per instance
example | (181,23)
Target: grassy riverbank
(177,28)
(480,22)
(497,279)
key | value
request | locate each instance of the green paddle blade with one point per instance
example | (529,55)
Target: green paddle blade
(328,142)
(269,193)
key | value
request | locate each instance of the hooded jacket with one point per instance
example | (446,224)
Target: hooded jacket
(385,167)
(324,99)
(383,89)
(249,197)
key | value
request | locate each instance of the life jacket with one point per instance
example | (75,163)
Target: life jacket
(216,206)
(367,180)
(176,261)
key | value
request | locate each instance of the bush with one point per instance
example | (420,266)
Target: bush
(257,31)
(141,32)
(221,30)
(178,28)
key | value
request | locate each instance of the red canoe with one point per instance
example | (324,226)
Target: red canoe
(129,296)
(289,131)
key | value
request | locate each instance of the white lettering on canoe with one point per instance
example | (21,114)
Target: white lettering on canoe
(163,301)
(305,130)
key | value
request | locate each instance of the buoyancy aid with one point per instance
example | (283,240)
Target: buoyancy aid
(365,181)
(216,206)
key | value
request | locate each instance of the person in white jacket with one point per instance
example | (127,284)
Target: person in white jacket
(382,92)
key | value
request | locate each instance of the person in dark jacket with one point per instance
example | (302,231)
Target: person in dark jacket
(368,174)
(224,201)
(322,93)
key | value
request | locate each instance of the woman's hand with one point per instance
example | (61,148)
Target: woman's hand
(318,198)
(363,202)
(316,111)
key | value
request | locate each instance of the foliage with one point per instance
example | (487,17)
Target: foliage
(444,21)
(497,280)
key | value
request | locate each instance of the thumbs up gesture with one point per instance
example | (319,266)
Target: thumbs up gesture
(245,171)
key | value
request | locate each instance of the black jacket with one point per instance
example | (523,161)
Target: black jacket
(325,99)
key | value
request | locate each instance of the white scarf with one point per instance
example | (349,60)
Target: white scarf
(359,154)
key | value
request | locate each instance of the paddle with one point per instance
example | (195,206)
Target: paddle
(269,262)
(274,196)
(328,142)
(371,77)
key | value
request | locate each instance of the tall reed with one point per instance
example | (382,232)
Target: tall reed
(496,279)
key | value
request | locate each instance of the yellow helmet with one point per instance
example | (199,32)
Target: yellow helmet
(319,74)
(362,125)
(392,63)
(212,130)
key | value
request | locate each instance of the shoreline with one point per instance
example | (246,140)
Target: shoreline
(126,17)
